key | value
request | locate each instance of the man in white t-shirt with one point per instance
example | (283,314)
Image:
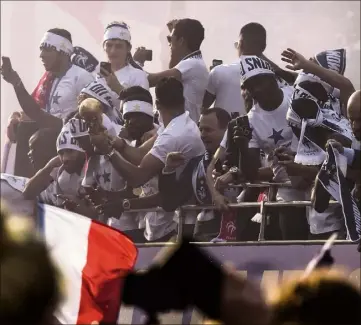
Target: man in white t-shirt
(179,133)
(117,46)
(186,63)
(224,90)
(62,175)
(58,89)
(270,130)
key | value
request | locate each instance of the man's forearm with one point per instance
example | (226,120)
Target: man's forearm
(38,183)
(333,78)
(133,154)
(134,175)
(146,202)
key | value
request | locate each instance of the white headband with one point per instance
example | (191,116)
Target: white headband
(138,106)
(117,32)
(252,65)
(79,128)
(66,141)
(99,92)
(59,43)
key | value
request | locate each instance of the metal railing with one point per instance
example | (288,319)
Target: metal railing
(263,206)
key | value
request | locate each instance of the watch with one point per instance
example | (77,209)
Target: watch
(109,155)
(126,204)
(234,171)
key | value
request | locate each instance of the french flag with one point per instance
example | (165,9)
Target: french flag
(93,259)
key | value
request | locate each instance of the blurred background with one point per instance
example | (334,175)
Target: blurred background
(306,26)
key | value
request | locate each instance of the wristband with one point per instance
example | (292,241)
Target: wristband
(109,155)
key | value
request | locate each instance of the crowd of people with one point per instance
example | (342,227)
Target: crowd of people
(104,147)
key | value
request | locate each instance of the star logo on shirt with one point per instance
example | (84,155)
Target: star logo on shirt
(276,136)
(106,177)
(56,98)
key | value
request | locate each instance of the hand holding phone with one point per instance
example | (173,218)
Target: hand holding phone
(242,128)
(105,68)
(8,72)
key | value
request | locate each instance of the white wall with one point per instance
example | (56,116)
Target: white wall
(306,26)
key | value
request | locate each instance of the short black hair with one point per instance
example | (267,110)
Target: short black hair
(136,93)
(169,92)
(61,32)
(192,31)
(255,34)
(222,115)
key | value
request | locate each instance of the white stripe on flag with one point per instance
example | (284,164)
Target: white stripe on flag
(66,236)
(94,260)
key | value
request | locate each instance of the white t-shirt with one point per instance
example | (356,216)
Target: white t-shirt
(224,83)
(68,184)
(64,93)
(181,135)
(270,130)
(11,190)
(157,224)
(195,80)
(128,76)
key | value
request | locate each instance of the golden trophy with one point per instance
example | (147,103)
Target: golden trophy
(91,111)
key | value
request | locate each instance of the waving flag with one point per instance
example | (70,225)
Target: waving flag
(93,259)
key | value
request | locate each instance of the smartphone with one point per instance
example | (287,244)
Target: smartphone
(244,127)
(106,66)
(216,62)
(148,55)
(6,63)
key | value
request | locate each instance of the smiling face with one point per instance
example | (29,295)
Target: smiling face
(211,133)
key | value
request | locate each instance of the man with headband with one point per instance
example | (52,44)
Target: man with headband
(117,46)
(58,89)
(62,175)
(270,130)
(137,106)
(179,133)
(186,63)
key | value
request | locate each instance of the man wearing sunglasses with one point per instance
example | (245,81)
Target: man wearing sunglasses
(186,63)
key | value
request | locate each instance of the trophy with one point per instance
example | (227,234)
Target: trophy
(91,111)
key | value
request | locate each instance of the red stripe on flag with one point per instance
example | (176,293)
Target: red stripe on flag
(110,255)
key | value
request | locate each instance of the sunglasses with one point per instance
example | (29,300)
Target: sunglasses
(169,39)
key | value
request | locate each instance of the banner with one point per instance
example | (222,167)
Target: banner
(266,263)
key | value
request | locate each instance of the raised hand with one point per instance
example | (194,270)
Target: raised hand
(140,55)
(8,73)
(111,80)
(295,60)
